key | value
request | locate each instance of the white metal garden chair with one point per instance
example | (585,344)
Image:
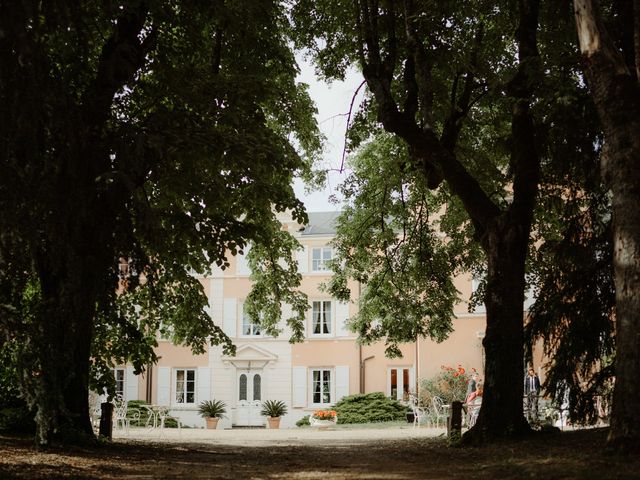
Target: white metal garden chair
(473,409)
(95,410)
(120,414)
(420,414)
(438,412)
(163,416)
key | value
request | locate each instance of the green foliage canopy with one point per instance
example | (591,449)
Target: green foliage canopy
(387,240)
(140,142)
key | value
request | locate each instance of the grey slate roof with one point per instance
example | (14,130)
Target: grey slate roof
(321,223)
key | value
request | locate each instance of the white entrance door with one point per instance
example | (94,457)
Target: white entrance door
(249,398)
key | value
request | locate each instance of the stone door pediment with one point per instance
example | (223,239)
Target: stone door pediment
(248,356)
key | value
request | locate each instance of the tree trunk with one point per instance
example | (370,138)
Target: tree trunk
(503,233)
(623,166)
(73,279)
(616,93)
(505,243)
(501,414)
(66,321)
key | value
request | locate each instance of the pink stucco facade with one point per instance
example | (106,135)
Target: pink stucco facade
(306,376)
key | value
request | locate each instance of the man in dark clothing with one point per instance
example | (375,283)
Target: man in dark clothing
(531,392)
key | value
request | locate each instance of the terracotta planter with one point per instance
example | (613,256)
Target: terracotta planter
(212,422)
(274,422)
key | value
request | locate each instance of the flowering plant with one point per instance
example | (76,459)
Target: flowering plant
(450,384)
(325,414)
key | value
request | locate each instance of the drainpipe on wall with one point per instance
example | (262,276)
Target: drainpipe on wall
(360,362)
(417,385)
(149,389)
(362,372)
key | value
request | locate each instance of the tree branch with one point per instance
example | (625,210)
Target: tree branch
(525,157)
(436,161)
(122,56)
(422,66)
(460,106)
(346,130)
(593,37)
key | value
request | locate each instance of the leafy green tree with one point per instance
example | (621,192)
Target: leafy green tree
(443,77)
(139,141)
(387,239)
(433,69)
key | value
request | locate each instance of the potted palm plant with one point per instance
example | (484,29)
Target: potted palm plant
(212,411)
(273,410)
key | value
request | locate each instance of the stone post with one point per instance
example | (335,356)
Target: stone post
(454,421)
(106,420)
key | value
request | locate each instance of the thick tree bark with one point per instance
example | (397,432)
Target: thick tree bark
(62,403)
(623,166)
(501,414)
(72,281)
(616,94)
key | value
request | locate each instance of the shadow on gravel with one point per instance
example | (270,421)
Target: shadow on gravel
(569,455)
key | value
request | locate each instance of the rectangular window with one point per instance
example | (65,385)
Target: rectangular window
(321,386)
(476,282)
(249,329)
(320,259)
(321,318)
(185,385)
(118,373)
(399,383)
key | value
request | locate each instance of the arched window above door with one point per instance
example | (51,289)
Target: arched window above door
(242,385)
(257,383)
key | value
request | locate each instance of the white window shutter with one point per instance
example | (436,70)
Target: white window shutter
(242,266)
(308,320)
(216,271)
(412,380)
(287,312)
(229,316)
(299,382)
(342,381)
(203,384)
(342,314)
(131,384)
(303,260)
(164,386)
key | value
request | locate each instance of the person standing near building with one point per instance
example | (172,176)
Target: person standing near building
(531,392)
(471,386)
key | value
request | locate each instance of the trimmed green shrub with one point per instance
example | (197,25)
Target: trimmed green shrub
(303,421)
(369,407)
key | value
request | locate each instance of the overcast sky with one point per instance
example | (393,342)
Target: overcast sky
(332,101)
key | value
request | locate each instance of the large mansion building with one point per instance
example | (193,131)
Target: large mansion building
(307,376)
